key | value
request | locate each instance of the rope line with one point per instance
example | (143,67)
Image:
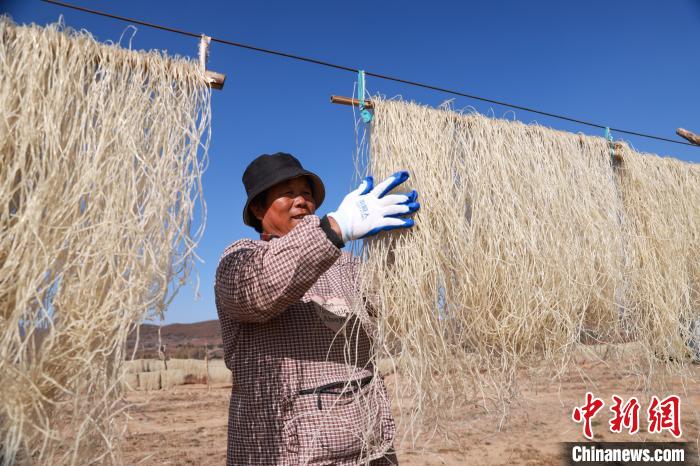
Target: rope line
(367,73)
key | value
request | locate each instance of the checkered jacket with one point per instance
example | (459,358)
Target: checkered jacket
(288,326)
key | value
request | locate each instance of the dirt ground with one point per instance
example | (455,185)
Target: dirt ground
(187,425)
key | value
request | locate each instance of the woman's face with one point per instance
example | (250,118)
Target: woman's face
(285,204)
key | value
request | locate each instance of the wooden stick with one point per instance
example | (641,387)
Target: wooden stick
(690,136)
(214,80)
(206,362)
(617,155)
(337,99)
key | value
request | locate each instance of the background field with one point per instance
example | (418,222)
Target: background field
(186,424)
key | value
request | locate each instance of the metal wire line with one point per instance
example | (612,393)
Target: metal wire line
(367,73)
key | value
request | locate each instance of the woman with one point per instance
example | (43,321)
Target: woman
(304,390)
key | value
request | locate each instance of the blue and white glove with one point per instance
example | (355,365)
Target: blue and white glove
(368,210)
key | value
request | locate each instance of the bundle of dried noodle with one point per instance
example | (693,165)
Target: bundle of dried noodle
(529,243)
(101,155)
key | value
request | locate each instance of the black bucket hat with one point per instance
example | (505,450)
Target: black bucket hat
(266,171)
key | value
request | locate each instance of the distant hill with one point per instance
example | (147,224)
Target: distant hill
(180,340)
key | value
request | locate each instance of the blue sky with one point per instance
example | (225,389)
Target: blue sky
(629,64)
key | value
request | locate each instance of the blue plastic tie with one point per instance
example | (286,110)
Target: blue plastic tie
(366,114)
(608,136)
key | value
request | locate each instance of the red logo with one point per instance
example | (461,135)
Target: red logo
(586,412)
(665,415)
(626,416)
(661,415)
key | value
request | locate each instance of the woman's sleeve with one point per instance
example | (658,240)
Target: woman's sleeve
(257,284)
